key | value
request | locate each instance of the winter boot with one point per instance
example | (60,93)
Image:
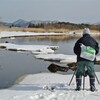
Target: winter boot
(78,82)
(92,83)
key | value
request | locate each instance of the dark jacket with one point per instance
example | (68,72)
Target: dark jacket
(87,40)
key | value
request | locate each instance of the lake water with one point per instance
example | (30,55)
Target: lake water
(13,64)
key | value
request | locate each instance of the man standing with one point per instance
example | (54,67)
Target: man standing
(83,63)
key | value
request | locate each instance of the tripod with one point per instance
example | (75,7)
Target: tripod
(83,79)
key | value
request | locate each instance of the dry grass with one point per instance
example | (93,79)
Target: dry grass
(53,38)
(42,30)
(61,30)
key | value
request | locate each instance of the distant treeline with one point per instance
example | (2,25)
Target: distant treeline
(65,25)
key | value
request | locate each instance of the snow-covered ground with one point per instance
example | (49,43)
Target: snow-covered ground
(5,34)
(49,86)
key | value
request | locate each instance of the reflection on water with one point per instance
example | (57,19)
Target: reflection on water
(14,65)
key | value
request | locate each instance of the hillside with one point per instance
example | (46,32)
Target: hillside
(46,26)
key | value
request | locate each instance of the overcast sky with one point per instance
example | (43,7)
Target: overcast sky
(77,11)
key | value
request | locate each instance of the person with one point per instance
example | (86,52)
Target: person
(83,63)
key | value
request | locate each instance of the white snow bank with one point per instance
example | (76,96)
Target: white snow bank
(17,34)
(49,86)
(36,49)
(7,34)
(59,58)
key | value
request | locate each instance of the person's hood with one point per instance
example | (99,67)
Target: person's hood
(86,31)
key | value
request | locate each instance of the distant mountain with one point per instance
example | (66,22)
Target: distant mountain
(5,24)
(98,23)
(1,23)
(21,23)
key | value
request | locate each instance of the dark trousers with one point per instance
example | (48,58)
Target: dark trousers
(82,67)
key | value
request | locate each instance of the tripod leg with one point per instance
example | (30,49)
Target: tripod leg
(84,78)
(97,79)
(72,78)
(83,82)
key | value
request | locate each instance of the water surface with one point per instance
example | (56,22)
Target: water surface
(14,65)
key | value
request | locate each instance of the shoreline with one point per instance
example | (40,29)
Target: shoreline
(45,35)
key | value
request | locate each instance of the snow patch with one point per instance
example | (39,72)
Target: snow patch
(49,86)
